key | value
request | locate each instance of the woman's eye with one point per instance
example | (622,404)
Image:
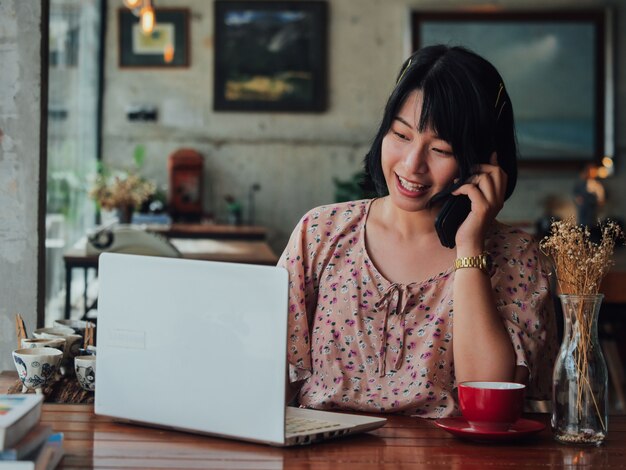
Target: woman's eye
(399,135)
(443,152)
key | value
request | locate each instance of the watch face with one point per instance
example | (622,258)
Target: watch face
(488,263)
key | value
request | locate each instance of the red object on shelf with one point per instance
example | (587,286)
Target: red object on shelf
(185,167)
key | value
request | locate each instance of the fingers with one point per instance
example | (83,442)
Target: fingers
(485,189)
(477,195)
(484,205)
(496,173)
(494,181)
(494,159)
(480,204)
(487,185)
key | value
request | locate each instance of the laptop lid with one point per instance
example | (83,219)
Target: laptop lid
(195,345)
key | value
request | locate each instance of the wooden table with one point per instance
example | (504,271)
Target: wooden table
(409,443)
(214,231)
(233,251)
(228,250)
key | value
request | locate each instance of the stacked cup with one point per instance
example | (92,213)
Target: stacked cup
(52,349)
(72,344)
(85,360)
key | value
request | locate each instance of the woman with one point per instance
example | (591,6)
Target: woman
(380,319)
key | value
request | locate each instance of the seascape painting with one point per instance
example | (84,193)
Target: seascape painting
(550,70)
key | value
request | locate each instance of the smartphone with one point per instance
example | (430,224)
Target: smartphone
(452,214)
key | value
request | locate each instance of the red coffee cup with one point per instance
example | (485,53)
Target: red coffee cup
(491,406)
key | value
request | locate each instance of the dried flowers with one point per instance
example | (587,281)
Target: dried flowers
(580,264)
(121,190)
(124,190)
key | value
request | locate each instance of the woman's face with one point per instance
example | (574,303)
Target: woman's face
(417,165)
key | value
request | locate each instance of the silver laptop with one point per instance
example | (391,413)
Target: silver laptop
(201,346)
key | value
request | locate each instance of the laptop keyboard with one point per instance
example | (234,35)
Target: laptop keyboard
(297,425)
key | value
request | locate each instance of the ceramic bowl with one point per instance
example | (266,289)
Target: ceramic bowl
(36,366)
(56,343)
(491,406)
(89,351)
(85,368)
(73,342)
(56,331)
(78,326)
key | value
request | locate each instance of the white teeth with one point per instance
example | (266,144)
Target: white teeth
(411,186)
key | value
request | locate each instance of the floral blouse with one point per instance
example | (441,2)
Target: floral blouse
(364,343)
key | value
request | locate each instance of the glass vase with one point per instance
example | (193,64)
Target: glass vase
(580,379)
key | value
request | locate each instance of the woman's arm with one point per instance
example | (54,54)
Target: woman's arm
(482,347)
(302,300)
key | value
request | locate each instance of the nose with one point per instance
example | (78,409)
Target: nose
(416,161)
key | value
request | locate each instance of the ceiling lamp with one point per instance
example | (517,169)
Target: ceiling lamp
(146,17)
(132,4)
(145,11)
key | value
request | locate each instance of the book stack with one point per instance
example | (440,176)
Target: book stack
(25,443)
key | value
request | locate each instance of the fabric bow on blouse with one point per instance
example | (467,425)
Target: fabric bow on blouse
(394,303)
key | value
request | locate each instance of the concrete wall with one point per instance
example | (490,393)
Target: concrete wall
(20,85)
(295,156)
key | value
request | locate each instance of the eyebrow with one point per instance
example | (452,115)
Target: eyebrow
(403,121)
(436,136)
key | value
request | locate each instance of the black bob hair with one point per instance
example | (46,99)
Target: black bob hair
(464,102)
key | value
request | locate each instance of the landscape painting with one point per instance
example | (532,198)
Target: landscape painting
(270,56)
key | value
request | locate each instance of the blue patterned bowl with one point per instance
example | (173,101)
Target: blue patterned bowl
(36,366)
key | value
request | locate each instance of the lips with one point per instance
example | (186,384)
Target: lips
(411,188)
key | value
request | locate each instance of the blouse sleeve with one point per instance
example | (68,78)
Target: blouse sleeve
(524,300)
(302,300)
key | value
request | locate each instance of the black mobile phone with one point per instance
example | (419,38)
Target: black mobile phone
(454,211)
(452,214)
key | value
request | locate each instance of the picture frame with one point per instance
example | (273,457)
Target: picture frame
(166,47)
(270,56)
(558,71)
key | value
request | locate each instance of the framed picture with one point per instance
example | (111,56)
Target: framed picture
(557,69)
(270,56)
(166,46)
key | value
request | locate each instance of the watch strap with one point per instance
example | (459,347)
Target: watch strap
(482,262)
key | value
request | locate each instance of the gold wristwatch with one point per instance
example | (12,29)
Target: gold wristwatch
(481,261)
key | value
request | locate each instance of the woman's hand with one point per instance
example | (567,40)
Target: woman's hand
(486,190)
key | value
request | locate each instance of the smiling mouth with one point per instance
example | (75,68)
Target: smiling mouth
(410,186)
